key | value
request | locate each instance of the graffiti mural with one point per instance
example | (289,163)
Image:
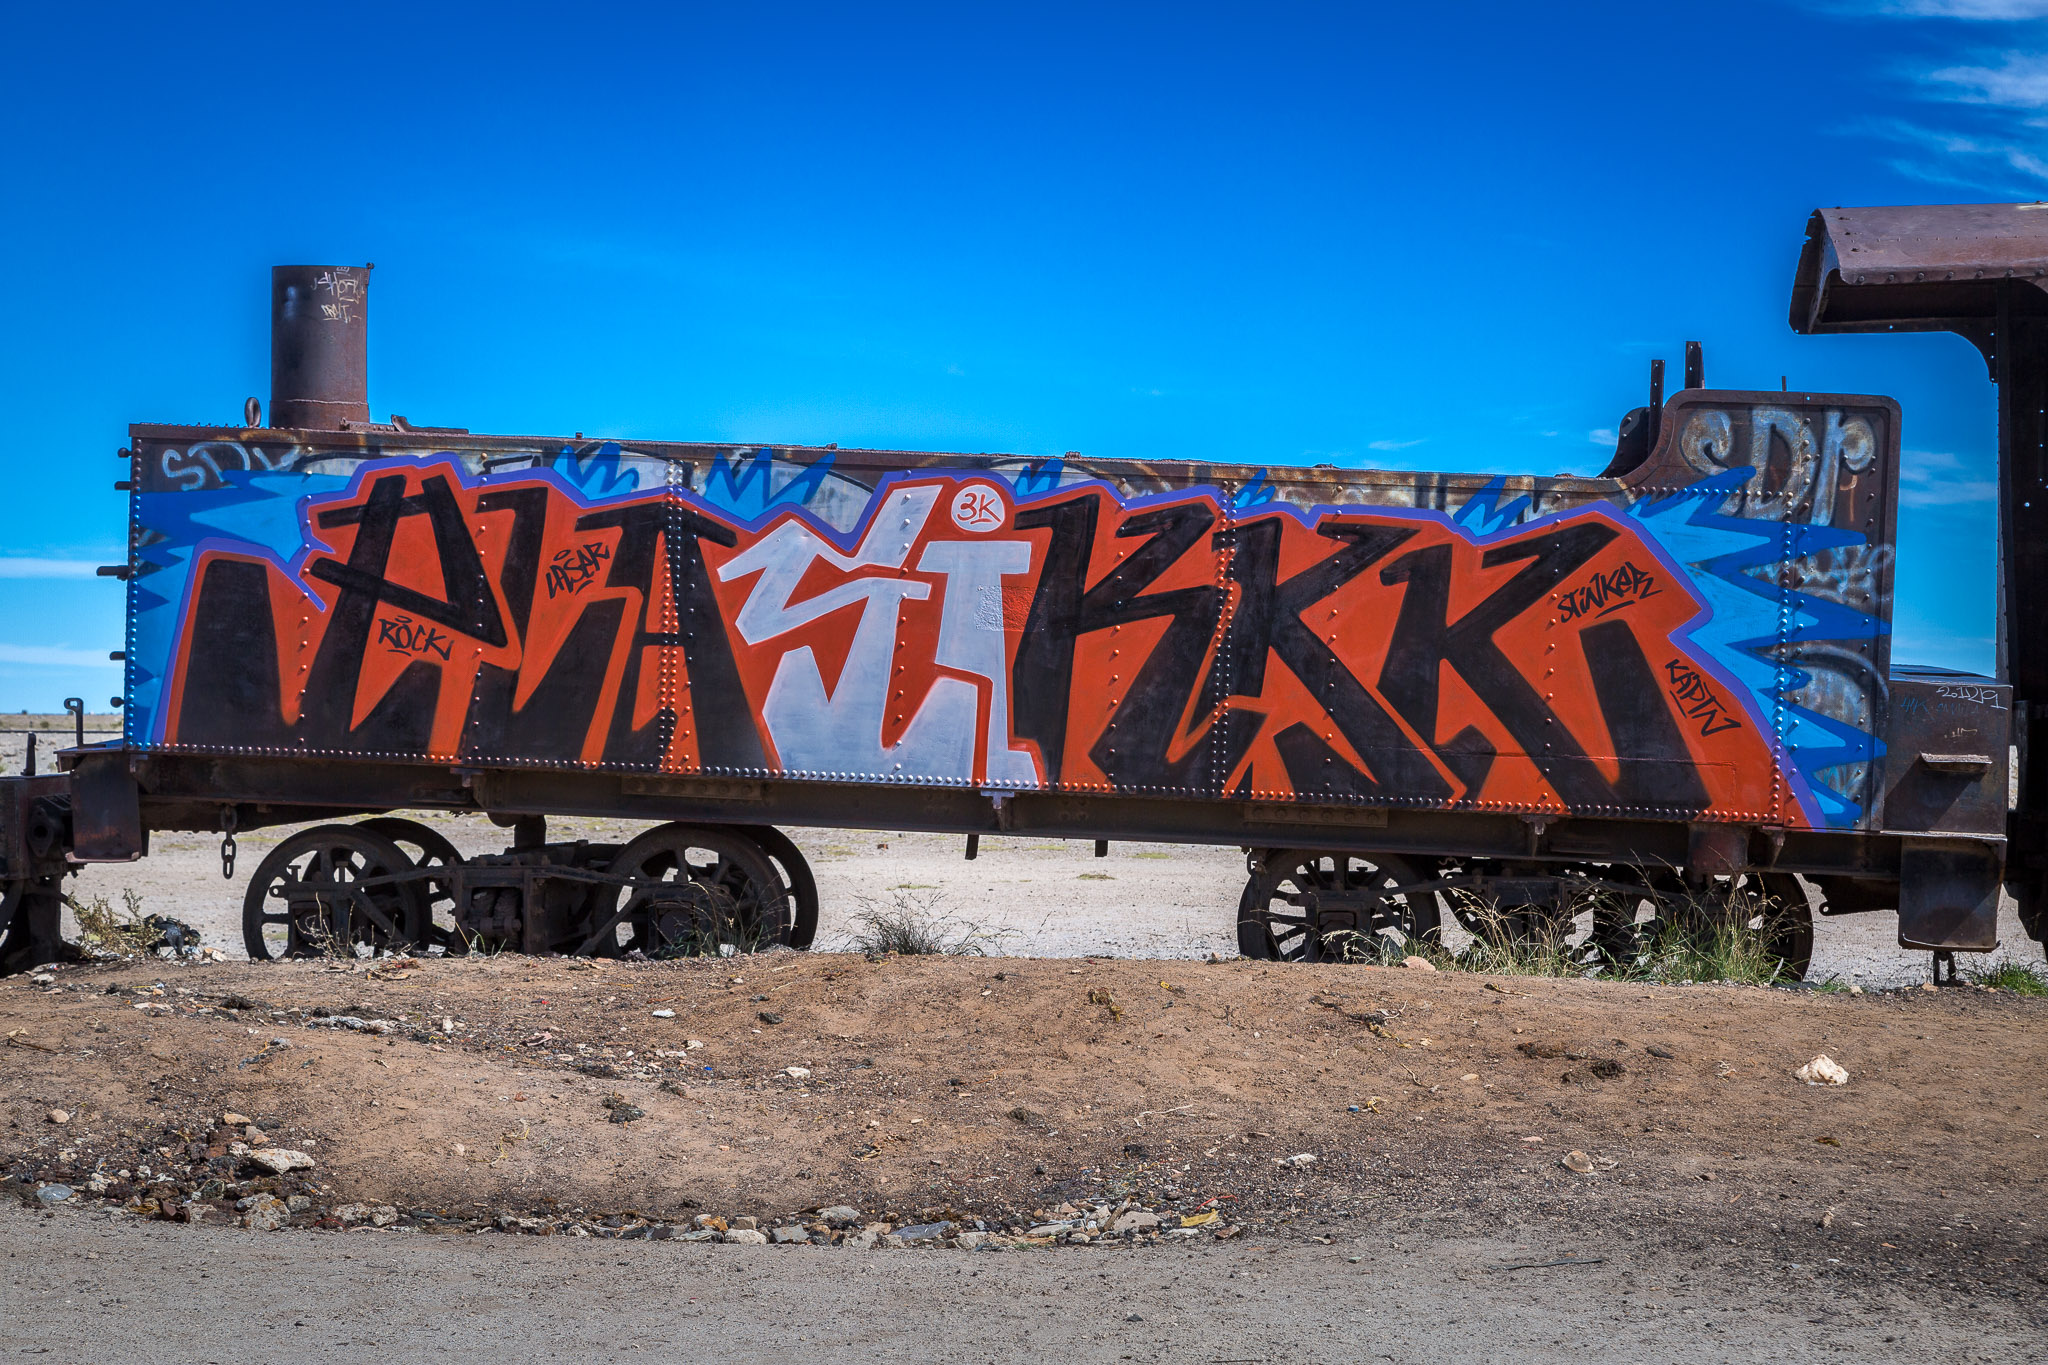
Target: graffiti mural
(1703,638)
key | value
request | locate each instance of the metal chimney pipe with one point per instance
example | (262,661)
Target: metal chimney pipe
(319,346)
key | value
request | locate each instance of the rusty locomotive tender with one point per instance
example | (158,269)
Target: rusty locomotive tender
(1403,693)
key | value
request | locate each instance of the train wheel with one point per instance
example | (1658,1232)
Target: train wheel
(427,847)
(1785,917)
(1332,907)
(797,881)
(330,889)
(1773,905)
(1625,913)
(31,925)
(704,891)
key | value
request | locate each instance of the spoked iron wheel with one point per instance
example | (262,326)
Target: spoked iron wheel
(1776,906)
(1771,904)
(332,889)
(1306,906)
(428,848)
(31,923)
(1625,911)
(700,891)
(797,881)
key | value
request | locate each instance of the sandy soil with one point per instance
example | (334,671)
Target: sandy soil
(971,1088)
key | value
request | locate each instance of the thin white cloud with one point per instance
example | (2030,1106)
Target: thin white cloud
(21,566)
(1985,11)
(1603,436)
(1936,478)
(1394,445)
(1987,153)
(2004,11)
(1990,166)
(2018,82)
(54,656)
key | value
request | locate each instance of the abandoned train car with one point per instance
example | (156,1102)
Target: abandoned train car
(1402,693)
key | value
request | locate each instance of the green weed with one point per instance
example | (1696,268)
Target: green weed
(2017,977)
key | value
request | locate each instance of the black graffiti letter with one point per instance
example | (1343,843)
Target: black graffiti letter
(1269,622)
(1134,752)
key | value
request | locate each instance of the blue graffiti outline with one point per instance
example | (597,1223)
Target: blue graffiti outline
(741,488)
(1483,512)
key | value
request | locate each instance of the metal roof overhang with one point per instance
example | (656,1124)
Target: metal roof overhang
(1921,268)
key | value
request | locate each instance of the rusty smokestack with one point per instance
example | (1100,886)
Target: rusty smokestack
(319,346)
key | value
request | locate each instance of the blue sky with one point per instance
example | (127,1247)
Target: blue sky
(1446,237)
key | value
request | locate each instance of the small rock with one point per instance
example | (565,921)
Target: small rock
(298,1203)
(859,1241)
(1029,1117)
(840,1215)
(744,1237)
(626,1113)
(797,1073)
(1666,1053)
(233,1120)
(1576,1160)
(51,1195)
(239,1002)
(1822,1070)
(193,1211)
(1418,964)
(1138,1220)
(924,1232)
(267,1213)
(1607,1069)
(970,1241)
(1049,1229)
(281,1159)
(58,1116)
(663,1014)
(1299,1159)
(745,1225)
(783,1236)
(768,1017)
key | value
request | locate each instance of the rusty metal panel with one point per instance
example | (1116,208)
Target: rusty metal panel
(1696,640)
(1948,895)
(1915,267)
(106,809)
(1947,766)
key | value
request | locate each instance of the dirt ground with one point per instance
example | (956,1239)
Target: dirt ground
(929,1089)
